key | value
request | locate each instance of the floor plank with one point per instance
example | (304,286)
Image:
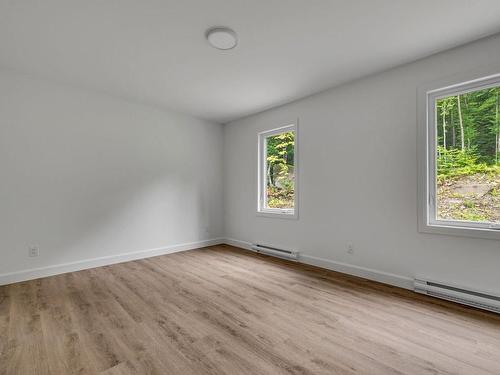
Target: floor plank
(222,310)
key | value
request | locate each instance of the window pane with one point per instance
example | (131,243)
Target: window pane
(468,156)
(280,171)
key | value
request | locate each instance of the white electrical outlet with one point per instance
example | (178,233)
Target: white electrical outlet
(350,249)
(33,251)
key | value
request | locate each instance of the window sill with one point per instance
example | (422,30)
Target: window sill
(450,229)
(278,214)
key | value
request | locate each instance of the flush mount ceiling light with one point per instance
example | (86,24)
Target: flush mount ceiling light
(222,37)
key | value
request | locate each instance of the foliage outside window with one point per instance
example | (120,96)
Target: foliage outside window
(464,170)
(277,171)
(468,168)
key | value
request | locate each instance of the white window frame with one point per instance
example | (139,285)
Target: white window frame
(427,135)
(262,210)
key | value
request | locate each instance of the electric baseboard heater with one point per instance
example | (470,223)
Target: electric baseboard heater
(273,251)
(481,300)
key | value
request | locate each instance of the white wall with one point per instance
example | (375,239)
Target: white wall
(86,175)
(358,177)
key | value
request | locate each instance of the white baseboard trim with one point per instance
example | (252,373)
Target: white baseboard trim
(365,273)
(237,243)
(350,269)
(36,273)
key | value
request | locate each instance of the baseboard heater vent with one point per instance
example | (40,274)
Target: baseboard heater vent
(477,299)
(273,251)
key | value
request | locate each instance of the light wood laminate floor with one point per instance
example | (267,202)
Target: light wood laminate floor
(221,310)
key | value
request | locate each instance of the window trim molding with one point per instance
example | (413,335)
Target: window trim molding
(261,178)
(426,143)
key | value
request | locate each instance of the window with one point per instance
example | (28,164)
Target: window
(278,172)
(462,165)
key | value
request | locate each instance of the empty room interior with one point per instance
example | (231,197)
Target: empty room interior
(253,187)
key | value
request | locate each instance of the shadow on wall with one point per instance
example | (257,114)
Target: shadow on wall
(85,175)
(116,217)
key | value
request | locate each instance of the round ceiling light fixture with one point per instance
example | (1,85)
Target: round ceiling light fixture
(221,37)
